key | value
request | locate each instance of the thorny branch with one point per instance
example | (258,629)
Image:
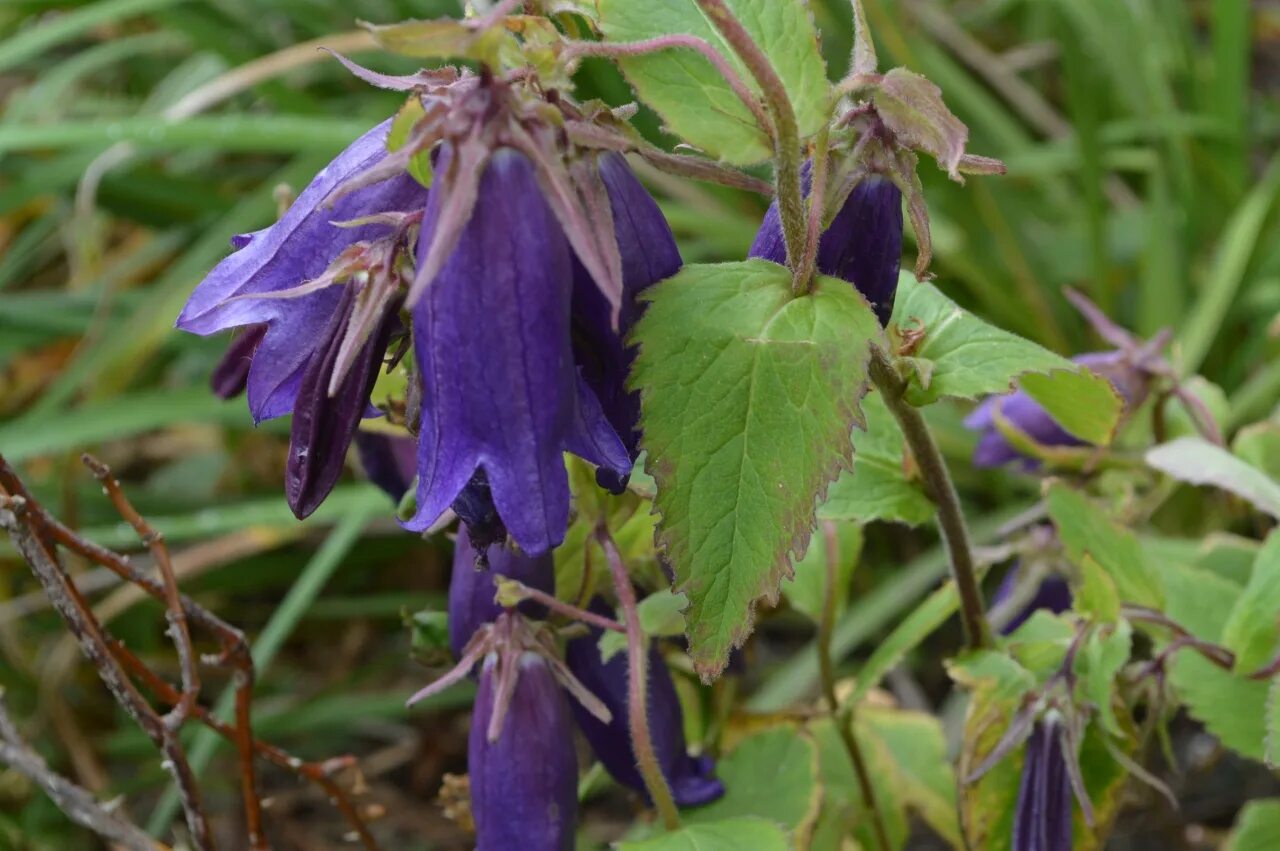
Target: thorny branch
(37,536)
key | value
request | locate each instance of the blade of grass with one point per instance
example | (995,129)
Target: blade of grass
(253,133)
(33,41)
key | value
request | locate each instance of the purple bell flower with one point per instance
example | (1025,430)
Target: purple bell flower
(281,278)
(389,462)
(1042,820)
(1026,415)
(691,779)
(231,375)
(500,393)
(649,254)
(524,785)
(1053,594)
(472,586)
(863,244)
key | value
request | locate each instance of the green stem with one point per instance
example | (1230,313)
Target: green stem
(786,137)
(843,719)
(937,479)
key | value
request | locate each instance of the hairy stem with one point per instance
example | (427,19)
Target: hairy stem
(955,534)
(786,133)
(802,279)
(638,688)
(843,719)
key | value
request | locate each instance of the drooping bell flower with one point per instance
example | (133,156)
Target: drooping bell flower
(862,245)
(1042,819)
(473,585)
(649,254)
(691,778)
(500,392)
(231,375)
(524,782)
(1023,413)
(324,282)
(1053,594)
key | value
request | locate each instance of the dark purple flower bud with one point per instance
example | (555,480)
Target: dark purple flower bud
(1025,414)
(499,388)
(524,786)
(1053,594)
(388,461)
(863,244)
(232,372)
(472,587)
(691,778)
(298,248)
(649,254)
(1042,820)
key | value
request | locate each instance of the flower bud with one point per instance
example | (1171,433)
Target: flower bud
(691,779)
(863,245)
(524,785)
(1042,819)
(472,589)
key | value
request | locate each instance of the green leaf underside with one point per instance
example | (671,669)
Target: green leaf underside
(690,94)
(1198,462)
(748,399)
(729,835)
(1086,530)
(878,487)
(1257,827)
(972,359)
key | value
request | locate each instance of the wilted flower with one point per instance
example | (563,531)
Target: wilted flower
(524,782)
(1023,413)
(1042,820)
(862,245)
(279,278)
(472,587)
(691,779)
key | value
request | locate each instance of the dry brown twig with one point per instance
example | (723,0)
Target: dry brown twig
(37,536)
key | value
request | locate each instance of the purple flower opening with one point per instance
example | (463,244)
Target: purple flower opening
(1027,416)
(524,786)
(230,376)
(863,245)
(692,779)
(1042,820)
(472,587)
(499,389)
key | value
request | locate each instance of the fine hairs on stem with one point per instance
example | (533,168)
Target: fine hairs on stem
(937,479)
(638,687)
(843,718)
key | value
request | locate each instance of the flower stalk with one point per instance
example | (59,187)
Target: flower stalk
(933,469)
(638,687)
(843,718)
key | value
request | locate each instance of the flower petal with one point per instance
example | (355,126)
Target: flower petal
(472,588)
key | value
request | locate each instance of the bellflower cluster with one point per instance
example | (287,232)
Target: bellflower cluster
(1019,411)
(516,274)
(690,778)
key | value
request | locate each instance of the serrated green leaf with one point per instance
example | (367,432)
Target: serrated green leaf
(878,488)
(1230,556)
(1254,625)
(773,774)
(1104,653)
(807,590)
(1097,594)
(1199,462)
(748,398)
(660,615)
(972,359)
(690,94)
(907,753)
(732,834)
(1257,827)
(1086,529)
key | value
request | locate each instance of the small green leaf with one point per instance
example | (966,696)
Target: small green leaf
(807,590)
(972,359)
(1257,827)
(907,753)
(1199,462)
(1254,625)
(1097,594)
(1086,529)
(420,166)
(1104,653)
(733,834)
(690,94)
(1258,445)
(773,774)
(748,399)
(911,106)
(879,487)
(660,615)
(1271,747)
(1041,643)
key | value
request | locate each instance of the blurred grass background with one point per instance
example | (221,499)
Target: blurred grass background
(136,136)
